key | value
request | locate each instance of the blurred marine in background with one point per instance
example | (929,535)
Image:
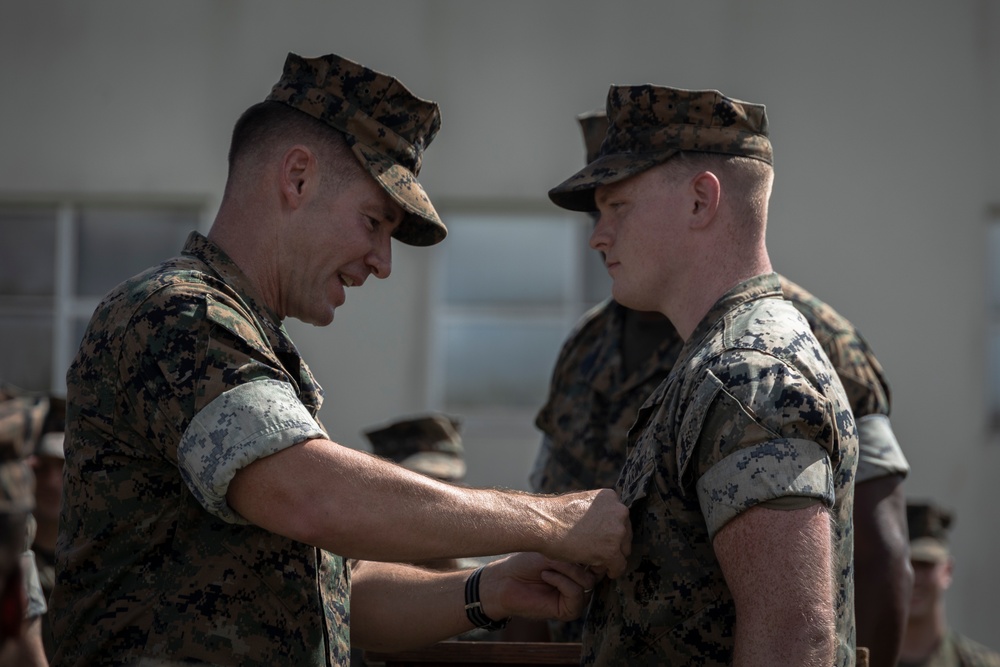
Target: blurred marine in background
(929,641)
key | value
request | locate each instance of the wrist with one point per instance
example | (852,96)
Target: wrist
(476,607)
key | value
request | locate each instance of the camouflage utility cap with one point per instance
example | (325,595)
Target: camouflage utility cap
(928,527)
(648,125)
(386,126)
(428,444)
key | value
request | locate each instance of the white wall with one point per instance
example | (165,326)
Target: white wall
(880,118)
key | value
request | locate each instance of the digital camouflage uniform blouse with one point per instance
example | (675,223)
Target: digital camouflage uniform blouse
(864,383)
(183,378)
(590,406)
(752,412)
(592,403)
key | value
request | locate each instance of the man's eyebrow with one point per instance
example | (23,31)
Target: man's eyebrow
(392,214)
(603,194)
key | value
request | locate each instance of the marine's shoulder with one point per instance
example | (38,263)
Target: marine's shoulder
(590,331)
(973,653)
(823,319)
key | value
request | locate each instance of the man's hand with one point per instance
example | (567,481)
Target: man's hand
(594,530)
(530,585)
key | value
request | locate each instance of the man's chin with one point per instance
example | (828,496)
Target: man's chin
(626,299)
(325,322)
(318,319)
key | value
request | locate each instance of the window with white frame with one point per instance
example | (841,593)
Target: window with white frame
(510,286)
(57,259)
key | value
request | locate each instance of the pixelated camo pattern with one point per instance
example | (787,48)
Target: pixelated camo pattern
(752,379)
(385,124)
(592,404)
(863,379)
(591,407)
(648,124)
(143,571)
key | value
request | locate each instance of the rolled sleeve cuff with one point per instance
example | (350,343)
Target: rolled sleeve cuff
(879,453)
(32,586)
(244,424)
(763,472)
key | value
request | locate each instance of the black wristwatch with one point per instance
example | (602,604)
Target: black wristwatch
(474,607)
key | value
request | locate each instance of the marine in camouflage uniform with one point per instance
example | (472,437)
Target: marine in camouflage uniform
(183,377)
(21,419)
(696,459)
(593,399)
(196,529)
(592,403)
(929,642)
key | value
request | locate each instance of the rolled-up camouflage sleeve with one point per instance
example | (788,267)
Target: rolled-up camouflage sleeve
(243,424)
(766,434)
(763,472)
(879,453)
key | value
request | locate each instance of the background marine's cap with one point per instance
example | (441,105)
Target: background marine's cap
(594,125)
(648,125)
(385,125)
(428,444)
(928,526)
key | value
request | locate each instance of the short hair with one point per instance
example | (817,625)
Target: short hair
(750,180)
(270,126)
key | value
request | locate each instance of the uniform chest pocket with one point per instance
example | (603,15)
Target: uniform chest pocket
(693,423)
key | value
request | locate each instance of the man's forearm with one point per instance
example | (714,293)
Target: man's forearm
(883,575)
(396,607)
(778,565)
(359,506)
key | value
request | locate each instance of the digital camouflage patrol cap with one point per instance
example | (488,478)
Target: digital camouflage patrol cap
(385,125)
(928,526)
(648,125)
(428,444)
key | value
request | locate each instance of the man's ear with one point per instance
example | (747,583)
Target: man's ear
(706,191)
(299,171)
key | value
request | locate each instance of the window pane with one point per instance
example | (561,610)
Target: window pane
(499,360)
(994,375)
(526,260)
(993,233)
(27,344)
(116,243)
(27,252)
